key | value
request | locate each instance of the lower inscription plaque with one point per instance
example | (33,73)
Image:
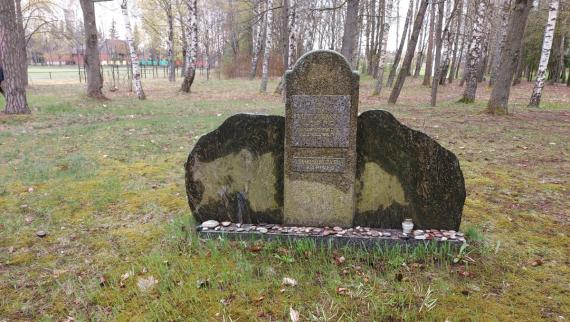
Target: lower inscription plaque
(318,164)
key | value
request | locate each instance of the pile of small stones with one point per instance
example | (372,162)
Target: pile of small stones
(360,232)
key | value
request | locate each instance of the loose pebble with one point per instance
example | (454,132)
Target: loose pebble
(210,224)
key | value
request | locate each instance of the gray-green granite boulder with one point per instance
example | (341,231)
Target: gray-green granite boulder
(235,172)
(403,173)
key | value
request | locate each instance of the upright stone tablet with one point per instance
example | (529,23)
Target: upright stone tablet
(320,141)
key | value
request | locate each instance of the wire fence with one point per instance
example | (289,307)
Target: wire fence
(115,76)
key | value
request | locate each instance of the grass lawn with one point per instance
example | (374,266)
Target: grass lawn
(105,180)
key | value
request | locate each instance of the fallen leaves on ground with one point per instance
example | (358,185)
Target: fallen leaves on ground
(124,278)
(255,248)
(339,260)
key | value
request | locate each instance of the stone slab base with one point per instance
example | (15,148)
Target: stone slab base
(362,237)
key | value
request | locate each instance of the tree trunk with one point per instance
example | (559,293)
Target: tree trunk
(92,63)
(439,45)
(292,48)
(133,52)
(370,36)
(422,40)
(474,59)
(447,42)
(498,102)
(519,71)
(257,46)
(382,59)
(191,50)
(467,37)
(545,54)
(456,41)
(183,37)
(409,53)
(285,31)
(561,66)
(10,50)
(484,56)
(429,56)
(265,67)
(308,46)
(170,42)
(22,42)
(504,16)
(401,47)
(350,35)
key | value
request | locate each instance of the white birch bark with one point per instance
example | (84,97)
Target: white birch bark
(134,59)
(382,58)
(293,30)
(545,54)
(310,39)
(192,49)
(170,41)
(265,68)
(475,48)
(447,43)
(258,44)
(292,49)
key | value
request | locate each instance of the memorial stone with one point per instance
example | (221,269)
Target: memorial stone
(321,106)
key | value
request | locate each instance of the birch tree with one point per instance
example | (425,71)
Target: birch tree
(267,50)
(133,52)
(456,41)
(257,43)
(429,55)
(285,31)
(474,58)
(383,51)
(14,86)
(439,45)
(167,6)
(191,24)
(292,49)
(545,53)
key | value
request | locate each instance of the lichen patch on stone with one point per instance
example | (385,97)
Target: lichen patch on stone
(239,172)
(379,189)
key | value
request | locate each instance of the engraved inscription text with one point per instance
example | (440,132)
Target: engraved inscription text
(318,164)
(320,121)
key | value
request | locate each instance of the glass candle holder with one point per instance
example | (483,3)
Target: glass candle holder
(407,226)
